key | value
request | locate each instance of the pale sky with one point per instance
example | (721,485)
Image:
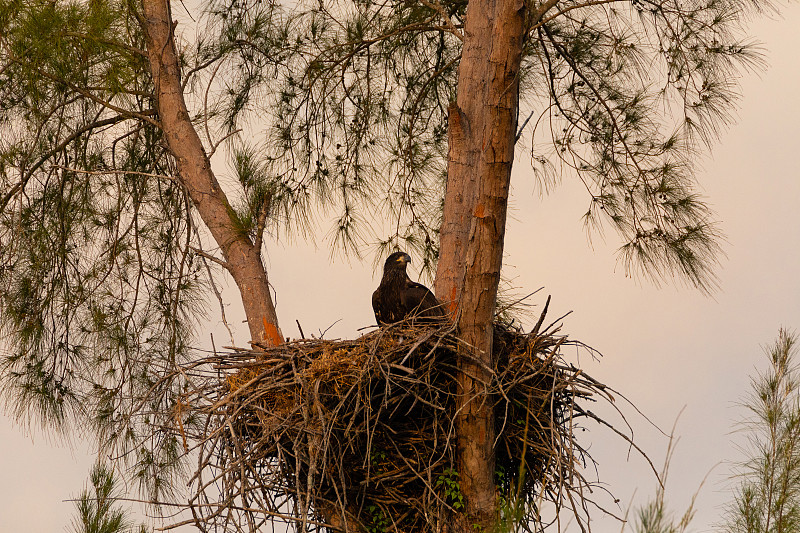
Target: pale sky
(665,349)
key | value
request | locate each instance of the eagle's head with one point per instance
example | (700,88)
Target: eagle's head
(397,260)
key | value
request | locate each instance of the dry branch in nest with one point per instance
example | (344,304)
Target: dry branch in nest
(360,434)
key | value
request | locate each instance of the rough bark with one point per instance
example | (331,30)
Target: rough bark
(242,258)
(482,128)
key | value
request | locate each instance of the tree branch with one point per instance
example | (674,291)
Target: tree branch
(241,258)
(77,133)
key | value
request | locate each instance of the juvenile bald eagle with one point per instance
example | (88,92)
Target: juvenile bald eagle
(397,297)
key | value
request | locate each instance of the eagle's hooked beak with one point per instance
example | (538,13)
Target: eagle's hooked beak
(405,259)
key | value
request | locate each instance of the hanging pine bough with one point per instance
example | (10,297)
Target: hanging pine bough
(360,434)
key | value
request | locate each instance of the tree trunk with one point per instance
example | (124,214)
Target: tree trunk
(482,129)
(242,259)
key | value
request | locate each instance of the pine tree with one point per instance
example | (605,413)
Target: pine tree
(111,214)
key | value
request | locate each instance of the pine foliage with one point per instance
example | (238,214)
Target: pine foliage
(767,491)
(325,110)
(99,288)
(623,93)
(97,508)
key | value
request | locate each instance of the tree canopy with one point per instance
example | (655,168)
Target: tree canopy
(113,223)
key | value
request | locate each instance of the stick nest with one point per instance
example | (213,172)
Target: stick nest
(360,434)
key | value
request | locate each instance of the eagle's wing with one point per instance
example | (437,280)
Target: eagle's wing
(377,306)
(420,301)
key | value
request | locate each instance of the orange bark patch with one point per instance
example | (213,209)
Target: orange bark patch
(480,211)
(453,305)
(271,334)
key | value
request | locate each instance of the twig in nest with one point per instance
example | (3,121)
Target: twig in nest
(359,433)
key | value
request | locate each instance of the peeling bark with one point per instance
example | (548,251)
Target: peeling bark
(242,258)
(482,129)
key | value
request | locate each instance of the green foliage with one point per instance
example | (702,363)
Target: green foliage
(607,72)
(514,507)
(52,49)
(378,521)
(767,491)
(512,514)
(623,93)
(354,99)
(378,458)
(97,507)
(99,285)
(451,489)
(654,518)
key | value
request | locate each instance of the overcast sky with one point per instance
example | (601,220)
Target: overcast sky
(665,349)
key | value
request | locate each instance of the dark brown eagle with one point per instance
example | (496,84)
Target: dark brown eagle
(397,297)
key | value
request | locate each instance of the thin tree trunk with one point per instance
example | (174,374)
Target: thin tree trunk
(242,258)
(482,129)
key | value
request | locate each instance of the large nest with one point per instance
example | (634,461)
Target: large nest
(360,434)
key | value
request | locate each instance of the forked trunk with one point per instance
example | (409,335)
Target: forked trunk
(482,129)
(242,258)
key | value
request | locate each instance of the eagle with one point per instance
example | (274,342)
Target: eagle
(397,297)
